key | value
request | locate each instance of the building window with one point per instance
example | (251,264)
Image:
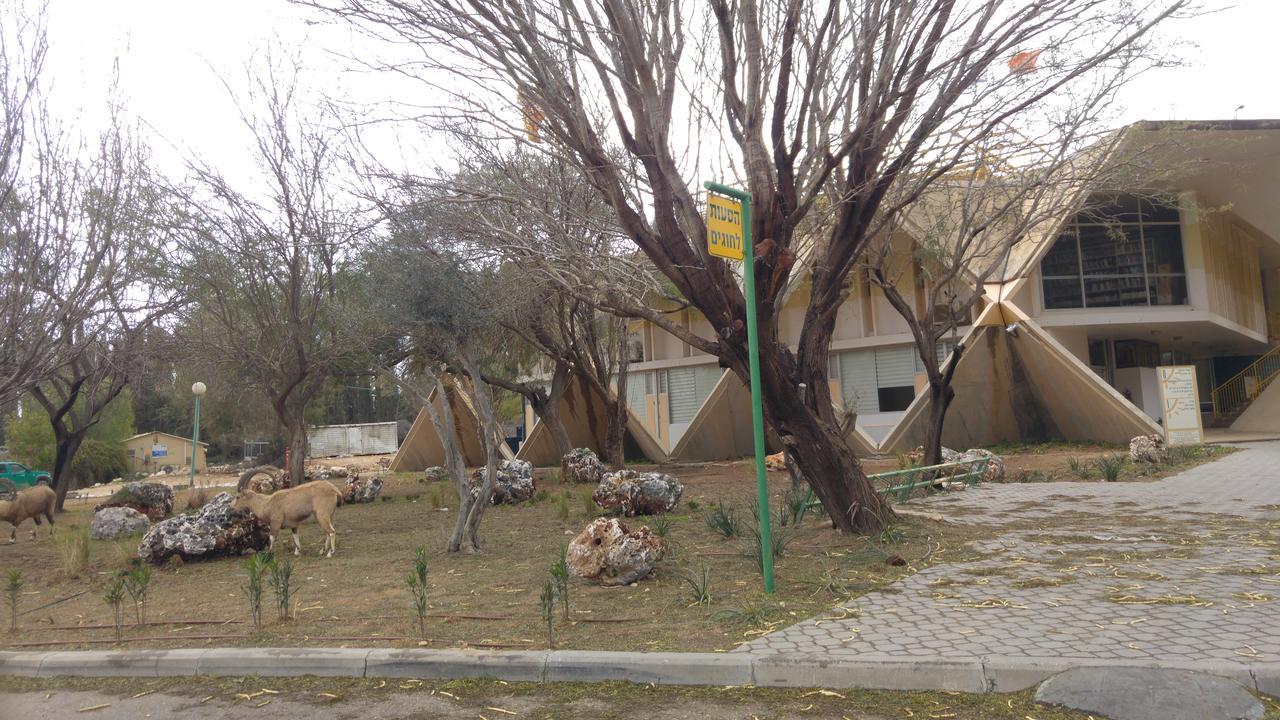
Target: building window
(1120,251)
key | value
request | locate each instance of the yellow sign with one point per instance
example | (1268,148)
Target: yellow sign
(724,227)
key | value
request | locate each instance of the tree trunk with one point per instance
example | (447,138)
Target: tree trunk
(616,436)
(466,531)
(550,412)
(940,397)
(68,443)
(295,433)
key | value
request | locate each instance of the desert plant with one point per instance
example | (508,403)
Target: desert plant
(13,589)
(539,496)
(795,505)
(560,577)
(113,596)
(1110,467)
(692,505)
(136,583)
(548,605)
(73,552)
(281,581)
(417,582)
(256,567)
(905,461)
(699,586)
(562,507)
(722,519)
(1078,468)
(661,525)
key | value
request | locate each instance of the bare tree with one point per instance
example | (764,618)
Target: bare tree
(835,116)
(268,261)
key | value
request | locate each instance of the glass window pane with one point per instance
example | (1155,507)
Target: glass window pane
(1157,210)
(1115,291)
(1164,248)
(1168,290)
(1060,293)
(1111,250)
(1103,208)
(1062,258)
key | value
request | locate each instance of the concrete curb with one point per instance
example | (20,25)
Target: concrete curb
(882,672)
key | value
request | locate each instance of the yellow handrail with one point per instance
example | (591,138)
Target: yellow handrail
(1247,384)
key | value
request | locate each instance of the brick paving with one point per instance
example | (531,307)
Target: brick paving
(1182,569)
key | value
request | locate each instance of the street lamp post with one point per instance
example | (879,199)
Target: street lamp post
(198,389)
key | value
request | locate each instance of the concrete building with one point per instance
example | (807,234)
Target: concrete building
(1066,342)
(148,452)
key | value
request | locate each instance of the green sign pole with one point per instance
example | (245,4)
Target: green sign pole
(753,352)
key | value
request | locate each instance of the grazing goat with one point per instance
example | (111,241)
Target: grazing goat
(30,503)
(291,507)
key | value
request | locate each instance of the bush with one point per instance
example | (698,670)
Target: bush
(99,461)
(1110,467)
(73,552)
(722,519)
(417,582)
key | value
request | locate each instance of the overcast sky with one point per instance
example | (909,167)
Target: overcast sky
(173,52)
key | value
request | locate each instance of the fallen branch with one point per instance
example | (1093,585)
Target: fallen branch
(51,604)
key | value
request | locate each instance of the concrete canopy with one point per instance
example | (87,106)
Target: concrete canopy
(583,412)
(422,449)
(1021,386)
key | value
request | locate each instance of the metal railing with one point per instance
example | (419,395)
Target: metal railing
(1246,385)
(899,484)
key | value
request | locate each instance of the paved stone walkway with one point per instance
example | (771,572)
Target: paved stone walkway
(1182,569)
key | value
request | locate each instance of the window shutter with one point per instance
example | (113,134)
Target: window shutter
(858,381)
(895,367)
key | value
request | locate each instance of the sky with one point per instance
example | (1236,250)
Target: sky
(178,57)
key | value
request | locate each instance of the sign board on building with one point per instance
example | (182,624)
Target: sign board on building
(159,450)
(724,227)
(1180,401)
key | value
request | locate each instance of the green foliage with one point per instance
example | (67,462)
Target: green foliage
(539,496)
(417,582)
(722,519)
(795,505)
(281,581)
(699,586)
(13,589)
(589,507)
(99,461)
(1078,468)
(562,507)
(780,538)
(30,438)
(256,568)
(136,583)
(1110,467)
(101,456)
(661,525)
(113,596)
(692,505)
(547,603)
(560,577)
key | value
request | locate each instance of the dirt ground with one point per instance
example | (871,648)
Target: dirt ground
(359,597)
(332,699)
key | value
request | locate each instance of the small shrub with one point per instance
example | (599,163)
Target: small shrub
(412,498)
(551,475)
(539,496)
(256,568)
(437,502)
(1033,476)
(387,498)
(661,525)
(905,461)
(547,602)
(562,507)
(722,519)
(136,583)
(1078,468)
(13,589)
(890,534)
(795,505)
(73,552)
(560,577)
(589,507)
(281,581)
(113,596)
(1110,467)
(417,582)
(692,505)
(780,538)
(699,586)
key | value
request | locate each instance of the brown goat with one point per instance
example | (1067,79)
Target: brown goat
(30,503)
(294,506)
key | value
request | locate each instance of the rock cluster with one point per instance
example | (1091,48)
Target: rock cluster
(436,474)
(155,500)
(111,523)
(581,465)
(776,461)
(1147,448)
(215,531)
(514,483)
(607,552)
(632,493)
(995,465)
(336,472)
(360,490)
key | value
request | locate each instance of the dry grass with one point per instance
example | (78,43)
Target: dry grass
(491,599)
